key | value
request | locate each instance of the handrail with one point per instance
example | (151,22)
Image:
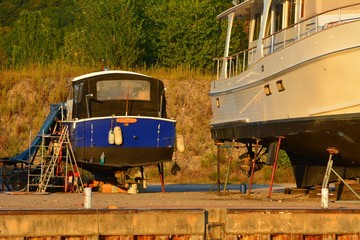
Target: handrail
(236,63)
(239,62)
(305,28)
(307,19)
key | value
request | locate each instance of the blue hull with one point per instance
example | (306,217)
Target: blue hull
(145,141)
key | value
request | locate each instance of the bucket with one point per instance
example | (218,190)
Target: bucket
(243,188)
(87,198)
(133,188)
(324,198)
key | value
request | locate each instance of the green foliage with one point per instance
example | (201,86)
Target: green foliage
(126,33)
(31,31)
(283,160)
(32,42)
(105,29)
(186,31)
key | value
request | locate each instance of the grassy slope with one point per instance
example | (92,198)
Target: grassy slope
(26,95)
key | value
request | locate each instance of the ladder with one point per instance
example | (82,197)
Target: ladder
(48,168)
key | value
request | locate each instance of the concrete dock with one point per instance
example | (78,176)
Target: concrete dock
(176,215)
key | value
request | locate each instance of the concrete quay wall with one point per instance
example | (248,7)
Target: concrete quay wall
(174,224)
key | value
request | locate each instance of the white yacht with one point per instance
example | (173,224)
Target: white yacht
(298,79)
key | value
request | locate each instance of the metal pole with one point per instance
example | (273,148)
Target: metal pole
(324,190)
(357,195)
(218,169)
(161,173)
(229,163)
(253,166)
(327,171)
(274,166)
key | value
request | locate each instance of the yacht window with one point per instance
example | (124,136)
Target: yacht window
(291,12)
(302,8)
(122,90)
(278,17)
(257,26)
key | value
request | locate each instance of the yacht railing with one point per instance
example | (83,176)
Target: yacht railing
(234,64)
(239,62)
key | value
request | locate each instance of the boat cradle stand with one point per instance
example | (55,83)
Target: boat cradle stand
(273,167)
(334,151)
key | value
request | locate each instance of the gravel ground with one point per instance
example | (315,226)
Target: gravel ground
(175,197)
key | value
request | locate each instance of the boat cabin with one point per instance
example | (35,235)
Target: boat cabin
(273,25)
(116,93)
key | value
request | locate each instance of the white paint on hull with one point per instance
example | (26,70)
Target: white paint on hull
(320,75)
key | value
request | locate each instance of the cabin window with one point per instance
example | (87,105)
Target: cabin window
(122,90)
(291,12)
(278,17)
(78,88)
(70,93)
(257,26)
(302,9)
(78,91)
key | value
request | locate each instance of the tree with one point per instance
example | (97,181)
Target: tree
(106,29)
(49,19)
(31,41)
(187,31)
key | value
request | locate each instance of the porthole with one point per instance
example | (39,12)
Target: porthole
(267,90)
(280,85)
(217,102)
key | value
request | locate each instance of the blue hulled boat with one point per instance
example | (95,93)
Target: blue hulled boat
(117,121)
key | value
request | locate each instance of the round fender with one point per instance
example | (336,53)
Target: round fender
(180,145)
(111,137)
(118,135)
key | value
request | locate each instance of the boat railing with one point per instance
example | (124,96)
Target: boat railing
(310,26)
(239,62)
(234,64)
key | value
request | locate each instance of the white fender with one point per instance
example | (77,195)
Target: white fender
(118,135)
(111,137)
(180,145)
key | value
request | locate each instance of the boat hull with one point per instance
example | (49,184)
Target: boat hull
(305,140)
(317,107)
(145,141)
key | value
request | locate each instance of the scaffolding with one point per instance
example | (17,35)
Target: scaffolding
(57,167)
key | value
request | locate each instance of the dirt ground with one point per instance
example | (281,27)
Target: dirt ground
(175,197)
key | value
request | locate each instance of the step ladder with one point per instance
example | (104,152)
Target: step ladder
(48,166)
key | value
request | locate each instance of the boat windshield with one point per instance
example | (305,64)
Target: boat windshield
(123,89)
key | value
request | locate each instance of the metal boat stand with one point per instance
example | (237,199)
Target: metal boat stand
(161,174)
(274,166)
(230,148)
(218,182)
(229,164)
(334,151)
(253,166)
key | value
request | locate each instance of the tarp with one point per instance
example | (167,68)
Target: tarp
(26,156)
